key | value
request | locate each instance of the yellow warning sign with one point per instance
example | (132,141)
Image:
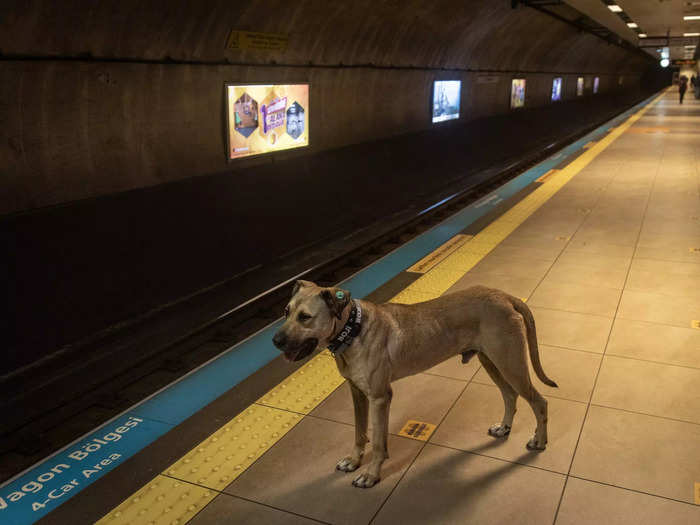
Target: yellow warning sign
(430,260)
(694,250)
(417,430)
(247,40)
(563,238)
(547,175)
(695,324)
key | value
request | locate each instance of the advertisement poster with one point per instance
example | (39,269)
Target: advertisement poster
(579,86)
(266,118)
(556,89)
(517,93)
(596,84)
(446,96)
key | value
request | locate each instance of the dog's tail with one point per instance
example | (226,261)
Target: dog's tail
(523,310)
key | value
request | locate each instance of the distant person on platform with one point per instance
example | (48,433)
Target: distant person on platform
(682,86)
(695,81)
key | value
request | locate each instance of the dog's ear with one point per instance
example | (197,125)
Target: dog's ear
(336,299)
(300,284)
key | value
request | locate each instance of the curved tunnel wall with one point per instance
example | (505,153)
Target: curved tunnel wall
(90,107)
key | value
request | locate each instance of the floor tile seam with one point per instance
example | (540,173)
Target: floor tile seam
(652,322)
(422,448)
(561,347)
(330,420)
(600,365)
(556,280)
(570,312)
(483,383)
(502,460)
(628,489)
(222,492)
(663,260)
(656,416)
(434,374)
(621,356)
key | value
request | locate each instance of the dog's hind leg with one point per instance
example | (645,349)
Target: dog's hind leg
(379,412)
(512,365)
(361,404)
(510,397)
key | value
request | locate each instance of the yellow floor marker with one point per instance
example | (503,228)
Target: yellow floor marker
(434,257)
(695,324)
(417,430)
(224,455)
(307,387)
(164,501)
(547,175)
(697,493)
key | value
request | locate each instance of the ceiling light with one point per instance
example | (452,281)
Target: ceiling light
(615,8)
(690,47)
(642,35)
(632,24)
(692,17)
(664,62)
(691,34)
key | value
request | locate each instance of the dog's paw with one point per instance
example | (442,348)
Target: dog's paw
(499,430)
(534,444)
(347,464)
(365,481)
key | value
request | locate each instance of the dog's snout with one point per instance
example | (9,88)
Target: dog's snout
(279,340)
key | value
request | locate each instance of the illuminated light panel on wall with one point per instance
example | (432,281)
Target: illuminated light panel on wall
(632,24)
(691,34)
(692,17)
(642,35)
(615,8)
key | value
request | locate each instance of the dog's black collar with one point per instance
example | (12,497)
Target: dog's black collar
(352,327)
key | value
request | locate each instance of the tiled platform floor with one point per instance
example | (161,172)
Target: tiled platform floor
(611,269)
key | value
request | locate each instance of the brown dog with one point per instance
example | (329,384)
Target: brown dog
(375,344)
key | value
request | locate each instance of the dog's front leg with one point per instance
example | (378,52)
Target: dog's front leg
(359,400)
(379,412)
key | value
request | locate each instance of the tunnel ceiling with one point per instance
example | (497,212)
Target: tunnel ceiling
(480,34)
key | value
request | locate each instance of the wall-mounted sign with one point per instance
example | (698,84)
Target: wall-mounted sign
(266,118)
(446,98)
(681,62)
(579,86)
(517,93)
(246,40)
(556,89)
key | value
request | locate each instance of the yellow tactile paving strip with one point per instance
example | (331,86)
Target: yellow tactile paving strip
(163,501)
(303,390)
(221,458)
(227,453)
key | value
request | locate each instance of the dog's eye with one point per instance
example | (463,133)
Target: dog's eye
(304,317)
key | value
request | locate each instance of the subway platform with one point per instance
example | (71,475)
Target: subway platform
(602,240)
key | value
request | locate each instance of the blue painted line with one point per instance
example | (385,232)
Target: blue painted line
(27,498)
(38,492)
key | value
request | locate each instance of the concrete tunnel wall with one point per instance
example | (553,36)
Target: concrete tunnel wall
(89,107)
